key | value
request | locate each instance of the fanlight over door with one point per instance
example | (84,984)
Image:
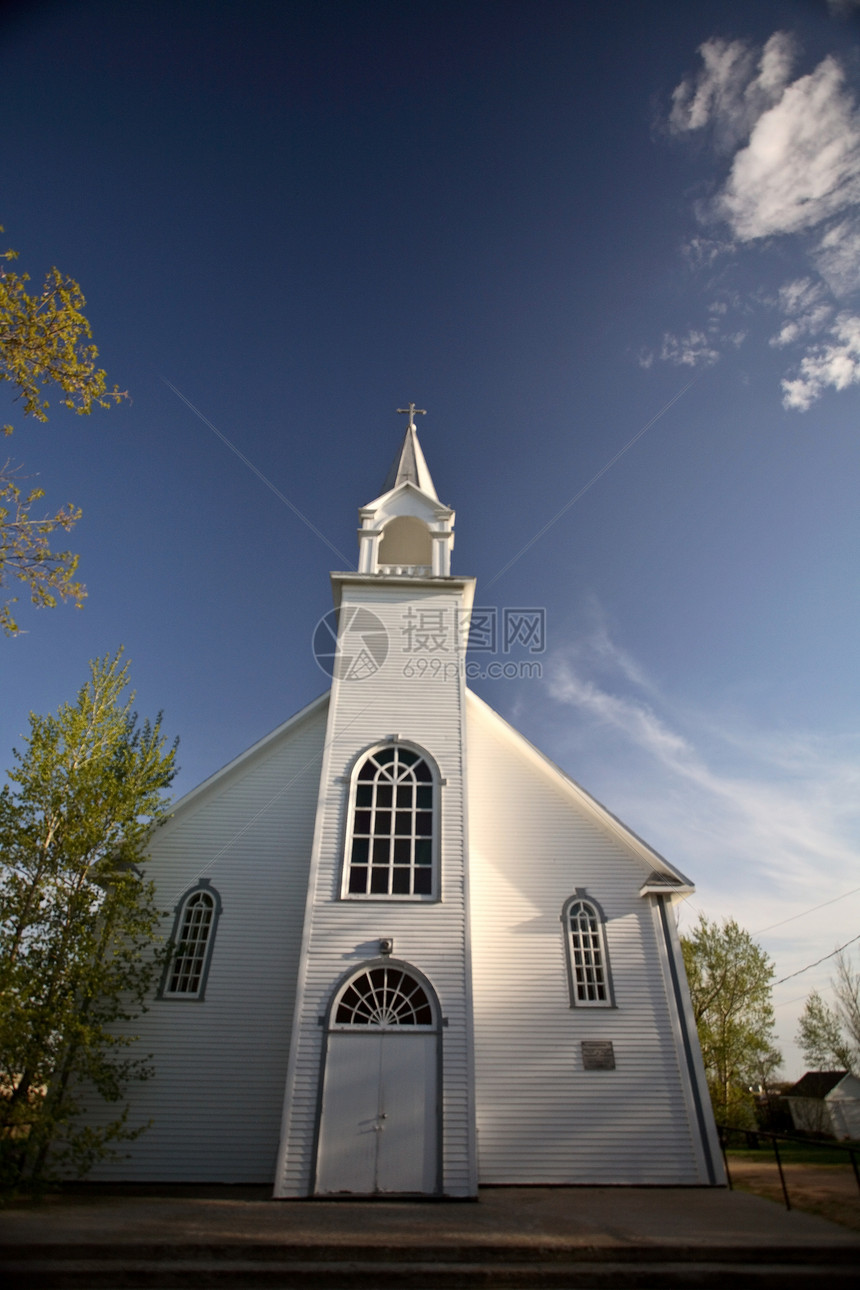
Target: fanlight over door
(379,1128)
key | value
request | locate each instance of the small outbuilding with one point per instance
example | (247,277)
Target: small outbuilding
(826,1102)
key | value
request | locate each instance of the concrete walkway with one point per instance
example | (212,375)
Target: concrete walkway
(606,1216)
(529,1227)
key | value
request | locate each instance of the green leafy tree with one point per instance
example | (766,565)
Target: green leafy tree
(25,550)
(77,924)
(829,1036)
(730,979)
(43,344)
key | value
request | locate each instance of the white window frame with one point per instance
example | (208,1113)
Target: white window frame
(361,804)
(580,957)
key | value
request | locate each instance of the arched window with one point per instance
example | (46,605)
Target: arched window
(385,995)
(587,961)
(193,937)
(390,843)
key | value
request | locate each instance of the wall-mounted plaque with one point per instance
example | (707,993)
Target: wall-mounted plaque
(598,1055)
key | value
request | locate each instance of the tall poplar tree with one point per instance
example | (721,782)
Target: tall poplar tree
(731,981)
(77,924)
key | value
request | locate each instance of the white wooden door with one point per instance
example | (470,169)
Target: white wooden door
(379,1126)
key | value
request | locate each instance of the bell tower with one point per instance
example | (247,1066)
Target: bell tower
(380,1095)
(406,530)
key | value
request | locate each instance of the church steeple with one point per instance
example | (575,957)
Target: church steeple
(409,465)
(406,531)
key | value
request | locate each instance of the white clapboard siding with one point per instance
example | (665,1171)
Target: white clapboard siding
(542,1119)
(342,933)
(220,1063)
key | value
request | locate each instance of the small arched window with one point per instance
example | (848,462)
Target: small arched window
(390,846)
(587,960)
(193,937)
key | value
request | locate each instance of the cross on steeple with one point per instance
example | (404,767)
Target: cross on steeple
(412,410)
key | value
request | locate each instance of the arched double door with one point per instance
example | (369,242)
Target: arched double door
(379,1129)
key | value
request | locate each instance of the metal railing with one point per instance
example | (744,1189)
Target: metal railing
(751,1137)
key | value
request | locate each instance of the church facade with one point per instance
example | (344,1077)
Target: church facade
(412,956)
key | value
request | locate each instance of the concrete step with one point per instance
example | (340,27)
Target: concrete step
(380,1252)
(387,1266)
(579,1274)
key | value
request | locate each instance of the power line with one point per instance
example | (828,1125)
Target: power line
(831,955)
(804,912)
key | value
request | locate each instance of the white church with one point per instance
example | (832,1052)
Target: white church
(412,956)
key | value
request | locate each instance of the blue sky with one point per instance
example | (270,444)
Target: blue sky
(551,225)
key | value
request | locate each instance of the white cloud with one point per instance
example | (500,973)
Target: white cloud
(794,173)
(702,252)
(837,256)
(835,364)
(804,304)
(692,350)
(732,90)
(791,332)
(802,163)
(799,296)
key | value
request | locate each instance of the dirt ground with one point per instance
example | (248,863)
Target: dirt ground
(830,1191)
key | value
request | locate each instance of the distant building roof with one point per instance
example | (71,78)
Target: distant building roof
(816,1084)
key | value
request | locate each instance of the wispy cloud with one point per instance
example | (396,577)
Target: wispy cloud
(777,810)
(765,820)
(805,308)
(703,252)
(732,89)
(842,8)
(692,350)
(789,146)
(635,720)
(837,257)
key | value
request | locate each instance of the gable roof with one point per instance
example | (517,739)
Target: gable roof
(816,1084)
(662,877)
(229,770)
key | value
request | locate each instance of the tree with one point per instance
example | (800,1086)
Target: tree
(730,981)
(829,1037)
(77,924)
(43,343)
(25,550)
